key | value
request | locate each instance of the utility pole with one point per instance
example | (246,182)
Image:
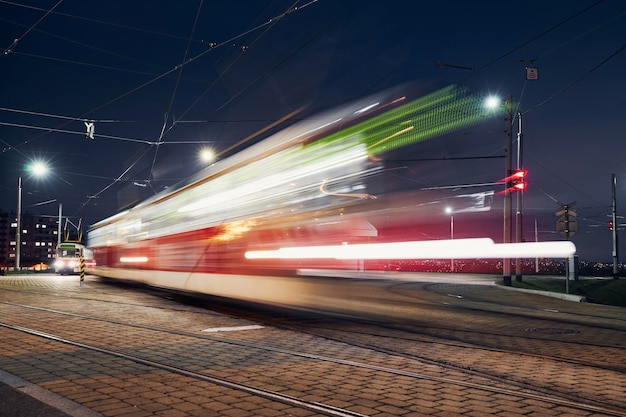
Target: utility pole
(18,235)
(59,225)
(614,231)
(518,214)
(506,263)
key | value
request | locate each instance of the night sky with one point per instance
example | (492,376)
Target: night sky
(162,79)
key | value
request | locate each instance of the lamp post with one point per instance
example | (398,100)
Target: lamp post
(450,211)
(519,237)
(615,252)
(508,162)
(18,242)
(38,169)
(493,102)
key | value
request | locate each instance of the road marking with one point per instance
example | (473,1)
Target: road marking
(232,329)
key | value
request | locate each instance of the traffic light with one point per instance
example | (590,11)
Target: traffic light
(518,180)
(610,225)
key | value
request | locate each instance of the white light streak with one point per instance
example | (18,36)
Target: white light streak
(134,259)
(478,248)
(363,110)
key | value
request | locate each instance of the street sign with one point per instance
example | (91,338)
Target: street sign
(567,226)
(570,211)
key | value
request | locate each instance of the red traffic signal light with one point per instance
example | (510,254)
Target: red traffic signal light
(516,181)
(610,225)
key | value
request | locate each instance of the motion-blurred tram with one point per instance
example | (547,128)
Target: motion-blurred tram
(306,187)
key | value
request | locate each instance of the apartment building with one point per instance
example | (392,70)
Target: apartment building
(38,238)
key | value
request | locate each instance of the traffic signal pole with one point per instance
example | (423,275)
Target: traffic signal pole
(506,263)
(614,231)
(518,213)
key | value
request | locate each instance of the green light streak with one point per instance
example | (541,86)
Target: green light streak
(436,114)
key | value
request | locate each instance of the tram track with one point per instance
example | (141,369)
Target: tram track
(455,337)
(521,390)
(268,394)
(399,347)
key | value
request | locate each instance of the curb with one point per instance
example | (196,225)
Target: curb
(42,401)
(560,296)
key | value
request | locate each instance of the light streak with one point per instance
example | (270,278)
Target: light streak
(134,259)
(323,190)
(477,248)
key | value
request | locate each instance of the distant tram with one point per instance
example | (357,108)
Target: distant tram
(68,258)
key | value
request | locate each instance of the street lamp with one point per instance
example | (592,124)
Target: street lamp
(38,169)
(207,155)
(449,211)
(493,102)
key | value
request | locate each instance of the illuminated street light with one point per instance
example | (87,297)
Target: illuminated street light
(517,181)
(38,169)
(207,155)
(492,102)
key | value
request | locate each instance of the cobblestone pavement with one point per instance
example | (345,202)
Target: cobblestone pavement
(429,348)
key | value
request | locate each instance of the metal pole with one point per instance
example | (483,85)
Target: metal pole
(506,264)
(59,225)
(614,232)
(518,214)
(452,238)
(18,236)
(536,240)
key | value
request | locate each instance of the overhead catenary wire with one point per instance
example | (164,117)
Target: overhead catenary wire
(57,116)
(612,18)
(59,129)
(116,180)
(545,32)
(82,44)
(92,20)
(177,67)
(172,98)
(223,73)
(8,49)
(185,62)
(573,83)
(196,57)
